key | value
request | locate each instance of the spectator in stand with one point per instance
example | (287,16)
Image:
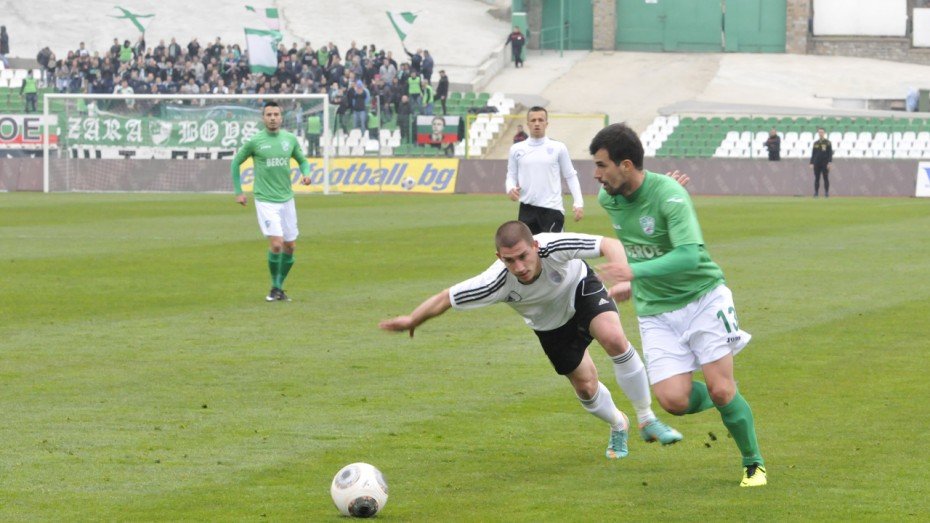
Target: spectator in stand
(4,46)
(415,91)
(387,71)
(193,48)
(404,112)
(426,69)
(521,134)
(315,73)
(307,54)
(336,72)
(322,57)
(442,89)
(46,59)
(126,54)
(516,41)
(114,49)
(125,88)
(428,97)
(386,97)
(352,52)
(416,60)
(174,50)
(773,144)
(358,103)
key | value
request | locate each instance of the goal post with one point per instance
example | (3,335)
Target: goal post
(167,143)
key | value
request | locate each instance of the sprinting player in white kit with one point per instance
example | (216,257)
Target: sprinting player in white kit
(535,169)
(545,279)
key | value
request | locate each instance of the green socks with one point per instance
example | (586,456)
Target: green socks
(287,261)
(737,416)
(700,398)
(279,264)
(274,267)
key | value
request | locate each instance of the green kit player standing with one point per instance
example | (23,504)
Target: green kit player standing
(687,318)
(271,151)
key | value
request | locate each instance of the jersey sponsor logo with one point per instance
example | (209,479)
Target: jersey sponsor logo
(519,154)
(648,223)
(677,199)
(284,145)
(603,302)
(277,162)
(263,147)
(643,252)
(733,339)
(512,297)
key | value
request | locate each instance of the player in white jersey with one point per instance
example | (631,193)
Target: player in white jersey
(546,280)
(535,169)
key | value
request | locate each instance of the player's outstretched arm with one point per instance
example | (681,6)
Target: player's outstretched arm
(432,307)
(616,269)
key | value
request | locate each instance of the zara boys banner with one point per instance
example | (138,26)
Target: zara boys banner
(437,129)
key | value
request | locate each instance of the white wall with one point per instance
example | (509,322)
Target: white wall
(860,17)
(921,28)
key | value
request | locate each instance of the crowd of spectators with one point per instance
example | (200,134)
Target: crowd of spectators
(358,81)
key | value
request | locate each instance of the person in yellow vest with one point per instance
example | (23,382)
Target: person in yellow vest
(414,91)
(428,98)
(30,90)
(314,131)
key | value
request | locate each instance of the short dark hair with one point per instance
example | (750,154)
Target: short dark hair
(620,142)
(270,103)
(536,109)
(512,233)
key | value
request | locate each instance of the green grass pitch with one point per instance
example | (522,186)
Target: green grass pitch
(144,377)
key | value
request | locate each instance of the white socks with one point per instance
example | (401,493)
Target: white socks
(631,375)
(602,406)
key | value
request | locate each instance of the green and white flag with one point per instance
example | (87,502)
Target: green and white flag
(263,53)
(402,21)
(132,17)
(269,16)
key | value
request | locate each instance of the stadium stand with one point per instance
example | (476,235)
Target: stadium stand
(219,67)
(742,137)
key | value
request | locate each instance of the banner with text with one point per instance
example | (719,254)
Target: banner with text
(150,132)
(25,129)
(429,176)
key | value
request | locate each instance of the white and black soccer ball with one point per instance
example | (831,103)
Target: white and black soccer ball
(359,490)
(408,183)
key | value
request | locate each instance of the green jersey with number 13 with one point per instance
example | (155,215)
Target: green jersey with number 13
(655,219)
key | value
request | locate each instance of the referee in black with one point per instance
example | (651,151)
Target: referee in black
(821,158)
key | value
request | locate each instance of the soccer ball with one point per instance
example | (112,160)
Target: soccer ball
(359,490)
(407,183)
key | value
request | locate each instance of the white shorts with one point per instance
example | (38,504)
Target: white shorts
(702,332)
(277,219)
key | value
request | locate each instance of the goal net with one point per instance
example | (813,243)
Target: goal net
(169,143)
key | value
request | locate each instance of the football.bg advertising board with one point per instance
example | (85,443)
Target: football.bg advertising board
(428,176)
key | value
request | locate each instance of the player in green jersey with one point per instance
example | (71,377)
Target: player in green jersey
(271,151)
(686,314)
